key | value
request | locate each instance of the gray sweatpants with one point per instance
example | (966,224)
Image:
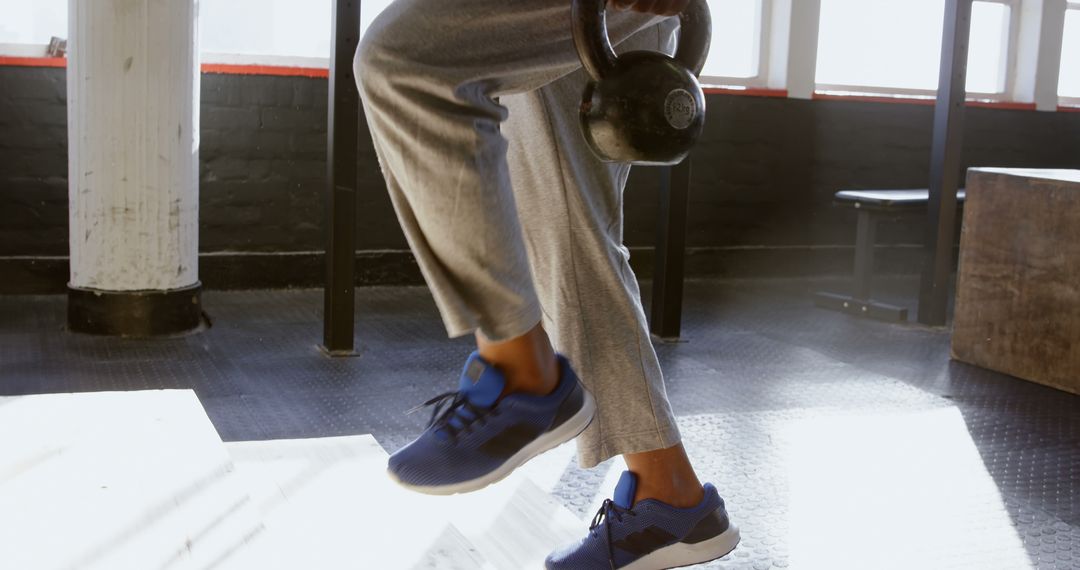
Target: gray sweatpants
(512,219)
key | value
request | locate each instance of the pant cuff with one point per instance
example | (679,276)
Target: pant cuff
(620,444)
(505,328)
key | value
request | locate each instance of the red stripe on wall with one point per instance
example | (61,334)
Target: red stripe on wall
(1003,105)
(872,98)
(232,69)
(225,68)
(33,61)
(749,92)
(323,73)
(927,101)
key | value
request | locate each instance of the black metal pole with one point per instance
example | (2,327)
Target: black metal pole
(343,131)
(668,273)
(945,159)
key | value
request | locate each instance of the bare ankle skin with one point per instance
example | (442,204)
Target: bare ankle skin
(529,365)
(665,475)
(528,362)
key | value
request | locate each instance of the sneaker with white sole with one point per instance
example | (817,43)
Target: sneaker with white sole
(476,438)
(649,534)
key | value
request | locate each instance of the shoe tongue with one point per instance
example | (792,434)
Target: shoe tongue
(624,491)
(481,382)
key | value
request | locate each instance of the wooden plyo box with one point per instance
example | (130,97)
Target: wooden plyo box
(1018,287)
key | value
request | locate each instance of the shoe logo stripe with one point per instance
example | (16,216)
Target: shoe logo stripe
(510,440)
(643,542)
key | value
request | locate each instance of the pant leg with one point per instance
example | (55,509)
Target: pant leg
(428,72)
(571,211)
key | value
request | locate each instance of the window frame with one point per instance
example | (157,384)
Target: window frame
(762,37)
(1012,50)
(1007,77)
(1068,101)
(783,69)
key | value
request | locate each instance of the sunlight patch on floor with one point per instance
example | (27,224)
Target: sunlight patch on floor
(893,490)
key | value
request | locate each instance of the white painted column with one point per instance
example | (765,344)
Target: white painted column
(133,132)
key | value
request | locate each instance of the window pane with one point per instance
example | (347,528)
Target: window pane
(880,43)
(369,9)
(298,28)
(988,47)
(735,38)
(36,22)
(1069,81)
(735,35)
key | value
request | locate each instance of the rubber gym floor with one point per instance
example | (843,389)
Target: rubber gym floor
(830,437)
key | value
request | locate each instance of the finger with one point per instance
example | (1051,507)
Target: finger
(645,6)
(671,7)
(664,8)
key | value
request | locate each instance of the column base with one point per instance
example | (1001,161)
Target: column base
(135,313)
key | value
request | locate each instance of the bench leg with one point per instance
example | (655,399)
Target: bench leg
(865,235)
(859,303)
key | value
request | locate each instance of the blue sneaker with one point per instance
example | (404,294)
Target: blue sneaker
(475,439)
(650,535)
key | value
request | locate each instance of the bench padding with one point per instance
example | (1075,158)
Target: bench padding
(888,199)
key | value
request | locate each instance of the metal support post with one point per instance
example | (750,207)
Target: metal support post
(668,273)
(945,164)
(342,177)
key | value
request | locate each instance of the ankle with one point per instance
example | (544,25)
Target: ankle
(528,362)
(667,476)
(682,496)
(539,380)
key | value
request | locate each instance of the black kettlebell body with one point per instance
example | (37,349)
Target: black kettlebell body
(648,110)
(642,107)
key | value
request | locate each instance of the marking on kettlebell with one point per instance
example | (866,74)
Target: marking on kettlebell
(680,108)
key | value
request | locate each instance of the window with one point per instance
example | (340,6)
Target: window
(25,24)
(890,46)
(369,9)
(880,43)
(896,46)
(738,39)
(1069,80)
(273,29)
(989,48)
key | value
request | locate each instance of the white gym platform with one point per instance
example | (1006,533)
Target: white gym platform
(141,480)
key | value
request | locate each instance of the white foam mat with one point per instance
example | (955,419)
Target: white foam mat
(116,480)
(141,480)
(327,503)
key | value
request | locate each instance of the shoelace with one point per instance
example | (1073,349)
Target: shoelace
(447,406)
(607,510)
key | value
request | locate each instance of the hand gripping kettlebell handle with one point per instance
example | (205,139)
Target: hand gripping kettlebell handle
(695,36)
(598,57)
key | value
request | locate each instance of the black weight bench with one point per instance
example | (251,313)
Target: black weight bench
(871,205)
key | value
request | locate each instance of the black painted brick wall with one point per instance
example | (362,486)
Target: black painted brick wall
(767,168)
(263,163)
(33,162)
(764,173)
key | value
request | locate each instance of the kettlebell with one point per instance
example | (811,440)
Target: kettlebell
(642,107)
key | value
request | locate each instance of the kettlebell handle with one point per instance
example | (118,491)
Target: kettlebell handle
(594,46)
